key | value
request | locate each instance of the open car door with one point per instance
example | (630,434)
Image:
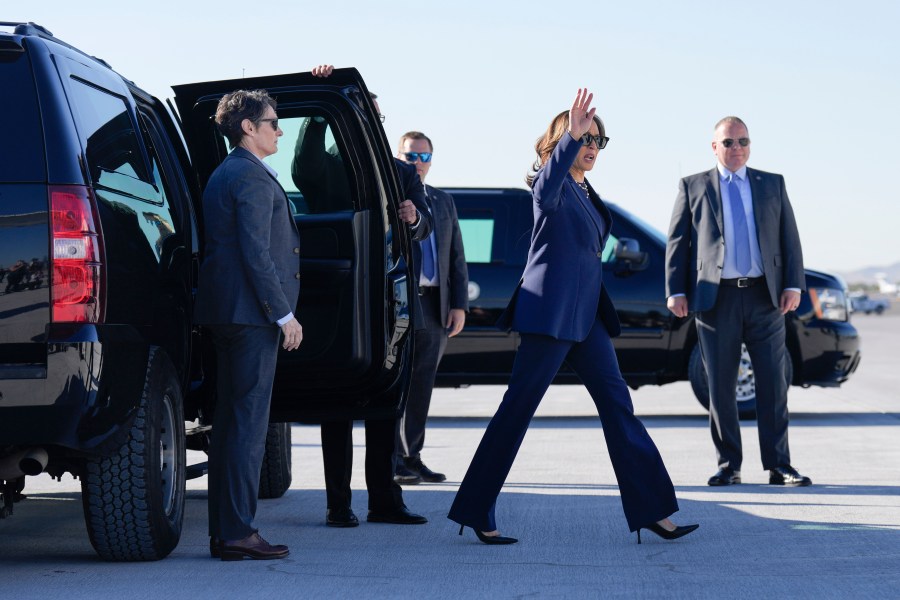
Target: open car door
(335,163)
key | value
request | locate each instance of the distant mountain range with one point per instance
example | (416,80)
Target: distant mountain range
(870,275)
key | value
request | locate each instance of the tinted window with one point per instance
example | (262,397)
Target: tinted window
(478,237)
(158,224)
(169,217)
(22,151)
(609,250)
(131,197)
(648,229)
(317,171)
(310,165)
(112,149)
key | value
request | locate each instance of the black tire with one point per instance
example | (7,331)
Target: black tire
(134,500)
(275,475)
(746,388)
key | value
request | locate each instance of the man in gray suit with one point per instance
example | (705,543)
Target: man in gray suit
(734,258)
(248,290)
(443,287)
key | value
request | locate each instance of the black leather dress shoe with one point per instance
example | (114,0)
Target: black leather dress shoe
(411,471)
(253,546)
(725,476)
(398,516)
(427,474)
(788,475)
(405,476)
(341,517)
(215,545)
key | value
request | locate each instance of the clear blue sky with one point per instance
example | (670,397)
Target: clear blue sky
(817,83)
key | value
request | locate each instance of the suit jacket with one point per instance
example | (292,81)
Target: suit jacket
(250,270)
(412,188)
(561,292)
(451,257)
(695,253)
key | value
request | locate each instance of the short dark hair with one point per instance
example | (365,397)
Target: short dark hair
(239,105)
(416,135)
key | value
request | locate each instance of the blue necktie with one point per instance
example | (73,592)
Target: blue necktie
(741,245)
(427,258)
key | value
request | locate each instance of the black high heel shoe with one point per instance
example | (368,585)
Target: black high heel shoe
(490,539)
(679,531)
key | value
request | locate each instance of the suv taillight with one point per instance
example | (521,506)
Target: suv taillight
(76,280)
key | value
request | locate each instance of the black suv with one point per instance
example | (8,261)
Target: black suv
(655,347)
(100,241)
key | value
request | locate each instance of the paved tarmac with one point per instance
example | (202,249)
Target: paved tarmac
(839,538)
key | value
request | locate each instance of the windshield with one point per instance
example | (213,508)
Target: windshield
(641,224)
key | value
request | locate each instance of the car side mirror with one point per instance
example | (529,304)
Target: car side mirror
(629,256)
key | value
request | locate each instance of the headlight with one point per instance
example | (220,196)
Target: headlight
(829,303)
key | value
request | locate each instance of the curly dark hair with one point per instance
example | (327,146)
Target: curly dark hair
(239,105)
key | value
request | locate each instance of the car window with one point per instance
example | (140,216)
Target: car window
(310,164)
(132,196)
(478,237)
(112,149)
(609,250)
(22,155)
(158,224)
(641,225)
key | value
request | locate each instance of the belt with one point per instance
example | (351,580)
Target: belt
(424,290)
(741,282)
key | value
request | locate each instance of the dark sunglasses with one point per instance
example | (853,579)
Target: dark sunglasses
(600,140)
(274,123)
(728,142)
(412,157)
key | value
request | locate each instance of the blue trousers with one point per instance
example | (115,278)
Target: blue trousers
(644,484)
(246,357)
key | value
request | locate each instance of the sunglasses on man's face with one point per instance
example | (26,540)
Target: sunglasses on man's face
(412,157)
(600,140)
(728,142)
(274,123)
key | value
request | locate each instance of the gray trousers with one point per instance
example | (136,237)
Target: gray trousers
(245,369)
(430,345)
(746,315)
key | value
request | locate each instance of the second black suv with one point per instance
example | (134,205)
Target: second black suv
(655,347)
(100,241)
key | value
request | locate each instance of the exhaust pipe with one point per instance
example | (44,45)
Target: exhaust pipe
(29,461)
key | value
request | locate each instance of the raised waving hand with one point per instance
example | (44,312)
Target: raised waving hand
(581,114)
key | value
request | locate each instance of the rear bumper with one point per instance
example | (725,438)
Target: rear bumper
(90,389)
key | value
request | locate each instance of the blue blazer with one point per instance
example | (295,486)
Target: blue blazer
(561,292)
(250,274)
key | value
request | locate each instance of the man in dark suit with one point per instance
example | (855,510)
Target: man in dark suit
(734,258)
(247,292)
(385,495)
(443,284)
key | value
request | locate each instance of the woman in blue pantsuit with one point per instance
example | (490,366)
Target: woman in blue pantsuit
(563,313)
